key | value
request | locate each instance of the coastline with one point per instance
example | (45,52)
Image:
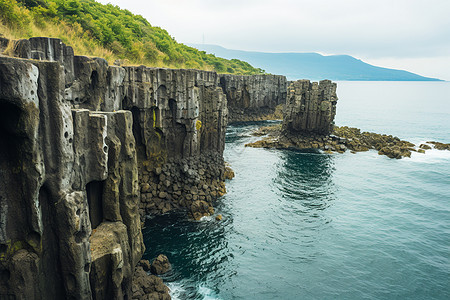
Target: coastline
(97,147)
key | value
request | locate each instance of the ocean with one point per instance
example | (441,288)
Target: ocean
(306,225)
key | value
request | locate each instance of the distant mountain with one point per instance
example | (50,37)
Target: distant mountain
(314,66)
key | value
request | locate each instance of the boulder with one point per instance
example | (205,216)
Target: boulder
(229,173)
(160,265)
(146,286)
(145,264)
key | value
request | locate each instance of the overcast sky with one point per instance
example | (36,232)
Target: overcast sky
(407,34)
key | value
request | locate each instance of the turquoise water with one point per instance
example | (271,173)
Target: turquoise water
(315,226)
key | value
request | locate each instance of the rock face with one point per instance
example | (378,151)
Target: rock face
(86,150)
(64,173)
(254,98)
(180,118)
(310,108)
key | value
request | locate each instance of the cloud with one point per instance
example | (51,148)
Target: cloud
(362,28)
(374,28)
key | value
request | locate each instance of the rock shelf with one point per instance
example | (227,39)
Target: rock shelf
(342,139)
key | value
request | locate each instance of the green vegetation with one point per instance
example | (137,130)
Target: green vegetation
(107,31)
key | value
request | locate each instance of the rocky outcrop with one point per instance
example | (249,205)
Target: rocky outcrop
(310,108)
(65,172)
(147,287)
(388,145)
(308,124)
(180,118)
(254,98)
(438,145)
(160,265)
(308,119)
(343,138)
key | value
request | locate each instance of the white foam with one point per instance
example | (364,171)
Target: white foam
(176,290)
(207,293)
(206,218)
(430,156)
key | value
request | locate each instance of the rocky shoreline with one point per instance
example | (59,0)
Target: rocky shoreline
(308,123)
(342,139)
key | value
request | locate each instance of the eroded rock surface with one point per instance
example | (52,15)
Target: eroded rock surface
(310,108)
(254,98)
(180,118)
(87,150)
(148,287)
(58,167)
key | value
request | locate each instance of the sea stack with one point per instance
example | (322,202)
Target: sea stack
(310,108)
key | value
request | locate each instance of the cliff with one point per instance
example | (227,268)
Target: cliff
(254,98)
(56,163)
(308,119)
(87,150)
(73,163)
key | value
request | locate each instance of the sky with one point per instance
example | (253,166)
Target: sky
(412,35)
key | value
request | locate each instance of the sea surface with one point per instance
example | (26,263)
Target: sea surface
(299,225)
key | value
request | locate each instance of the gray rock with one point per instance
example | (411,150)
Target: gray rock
(252,98)
(70,170)
(160,265)
(310,108)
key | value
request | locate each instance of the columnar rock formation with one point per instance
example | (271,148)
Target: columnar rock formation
(307,119)
(180,117)
(87,149)
(69,190)
(70,159)
(254,98)
(310,107)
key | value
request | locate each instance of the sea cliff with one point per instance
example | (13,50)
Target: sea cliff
(88,149)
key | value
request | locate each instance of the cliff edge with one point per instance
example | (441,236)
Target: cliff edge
(88,149)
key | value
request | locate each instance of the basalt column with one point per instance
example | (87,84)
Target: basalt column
(69,195)
(180,118)
(254,98)
(310,108)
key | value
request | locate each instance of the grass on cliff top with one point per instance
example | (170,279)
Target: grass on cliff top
(95,29)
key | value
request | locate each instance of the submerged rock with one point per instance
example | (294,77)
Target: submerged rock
(425,146)
(229,173)
(440,146)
